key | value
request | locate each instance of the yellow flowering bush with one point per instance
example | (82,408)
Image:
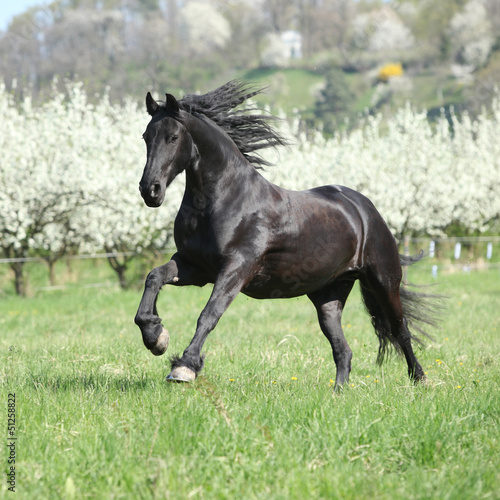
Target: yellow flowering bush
(389,71)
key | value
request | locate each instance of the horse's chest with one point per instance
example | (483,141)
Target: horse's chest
(195,238)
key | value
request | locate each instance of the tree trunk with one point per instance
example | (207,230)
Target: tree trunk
(120,271)
(18,268)
(69,267)
(52,272)
(122,278)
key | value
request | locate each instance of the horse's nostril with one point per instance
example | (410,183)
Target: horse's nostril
(155,190)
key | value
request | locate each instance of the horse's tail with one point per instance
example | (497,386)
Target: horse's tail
(419,310)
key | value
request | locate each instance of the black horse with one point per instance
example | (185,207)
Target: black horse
(243,234)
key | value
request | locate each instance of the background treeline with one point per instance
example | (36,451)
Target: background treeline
(69,171)
(354,55)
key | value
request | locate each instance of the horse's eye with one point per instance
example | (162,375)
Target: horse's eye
(173,139)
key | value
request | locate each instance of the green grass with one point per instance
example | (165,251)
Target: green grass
(95,418)
(425,90)
(289,89)
(294,89)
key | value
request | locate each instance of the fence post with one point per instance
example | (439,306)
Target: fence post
(432,248)
(434,271)
(489,251)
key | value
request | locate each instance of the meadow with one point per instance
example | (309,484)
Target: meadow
(96,419)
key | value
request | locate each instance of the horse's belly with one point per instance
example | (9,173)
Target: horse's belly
(295,277)
(264,287)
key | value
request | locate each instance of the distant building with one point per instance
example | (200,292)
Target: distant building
(292,42)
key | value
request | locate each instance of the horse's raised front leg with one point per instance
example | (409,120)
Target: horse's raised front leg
(227,286)
(175,272)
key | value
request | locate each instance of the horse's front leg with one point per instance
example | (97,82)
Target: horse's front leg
(226,287)
(174,272)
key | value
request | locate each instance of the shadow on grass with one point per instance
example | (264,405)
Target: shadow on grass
(89,382)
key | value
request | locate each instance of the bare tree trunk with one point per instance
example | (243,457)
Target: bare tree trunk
(20,283)
(119,269)
(52,272)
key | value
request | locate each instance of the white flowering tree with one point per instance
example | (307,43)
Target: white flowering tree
(204,27)
(471,35)
(389,32)
(38,172)
(422,177)
(273,54)
(69,175)
(380,30)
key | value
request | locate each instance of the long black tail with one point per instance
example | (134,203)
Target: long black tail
(419,310)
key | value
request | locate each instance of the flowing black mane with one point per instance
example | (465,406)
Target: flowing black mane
(248,127)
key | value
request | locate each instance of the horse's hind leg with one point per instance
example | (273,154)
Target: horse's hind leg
(383,302)
(329,303)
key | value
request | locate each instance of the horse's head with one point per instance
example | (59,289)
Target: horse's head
(169,149)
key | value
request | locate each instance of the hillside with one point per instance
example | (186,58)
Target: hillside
(296,89)
(330,60)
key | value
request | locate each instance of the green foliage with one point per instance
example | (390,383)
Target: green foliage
(335,104)
(95,418)
(431,25)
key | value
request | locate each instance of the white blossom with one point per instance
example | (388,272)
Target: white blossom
(390,33)
(420,176)
(274,53)
(204,27)
(471,33)
(381,30)
(69,173)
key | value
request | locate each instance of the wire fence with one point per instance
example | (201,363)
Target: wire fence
(453,254)
(101,276)
(73,257)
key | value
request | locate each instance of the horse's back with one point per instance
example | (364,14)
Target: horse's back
(350,201)
(342,195)
(375,240)
(378,247)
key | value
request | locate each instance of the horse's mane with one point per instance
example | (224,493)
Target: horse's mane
(247,126)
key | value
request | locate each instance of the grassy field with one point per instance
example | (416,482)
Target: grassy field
(95,419)
(289,89)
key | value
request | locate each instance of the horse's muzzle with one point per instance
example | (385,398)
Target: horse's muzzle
(152,195)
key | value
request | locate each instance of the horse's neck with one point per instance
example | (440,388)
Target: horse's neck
(218,164)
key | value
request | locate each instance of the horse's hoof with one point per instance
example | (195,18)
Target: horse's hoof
(161,343)
(181,374)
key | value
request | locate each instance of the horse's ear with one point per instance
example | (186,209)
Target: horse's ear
(151,104)
(171,104)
